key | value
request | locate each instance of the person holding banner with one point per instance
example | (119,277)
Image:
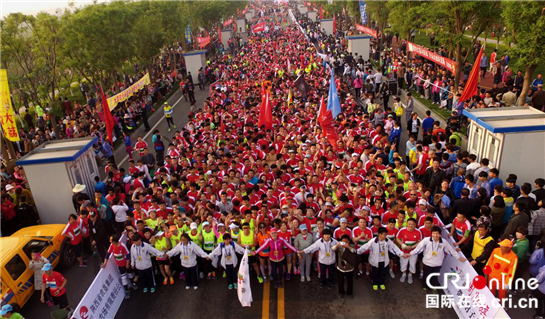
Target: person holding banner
(434,250)
(228,251)
(123,262)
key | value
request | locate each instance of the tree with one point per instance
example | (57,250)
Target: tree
(406,16)
(379,12)
(452,19)
(526,24)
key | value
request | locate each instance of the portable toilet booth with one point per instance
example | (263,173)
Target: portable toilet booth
(226,35)
(327,25)
(312,15)
(241,25)
(511,138)
(360,44)
(194,61)
(52,171)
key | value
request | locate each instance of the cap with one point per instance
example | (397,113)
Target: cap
(328,204)
(160,233)
(205,224)
(9,187)
(221,225)
(343,220)
(366,208)
(5,309)
(284,206)
(47,267)
(423,202)
(506,243)
(274,230)
(193,225)
(233,226)
(303,227)
(77,189)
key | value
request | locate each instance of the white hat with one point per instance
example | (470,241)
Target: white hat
(9,187)
(422,202)
(221,225)
(78,188)
(233,226)
(205,224)
(193,225)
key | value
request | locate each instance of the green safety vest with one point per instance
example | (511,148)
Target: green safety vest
(235,236)
(247,240)
(195,239)
(175,239)
(208,240)
(161,243)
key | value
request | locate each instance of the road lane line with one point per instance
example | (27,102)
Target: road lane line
(266,300)
(145,136)
(281,309)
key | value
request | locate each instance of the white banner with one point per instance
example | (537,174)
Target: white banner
(243,282)
(104,296)
(468,301)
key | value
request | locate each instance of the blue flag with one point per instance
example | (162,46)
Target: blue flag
(363,12)
(188,37)
(333,103)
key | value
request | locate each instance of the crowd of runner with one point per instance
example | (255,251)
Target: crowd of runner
(365,206)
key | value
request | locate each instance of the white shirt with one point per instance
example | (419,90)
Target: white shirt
(188,253)
(140,255)
(326,254)
(434,252)
(378,251)
(228,253)
(120,212)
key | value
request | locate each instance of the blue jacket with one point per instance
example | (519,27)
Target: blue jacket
(536,262)
(107,149)
(541,279)
(457,184)
(395,135)
(427,123)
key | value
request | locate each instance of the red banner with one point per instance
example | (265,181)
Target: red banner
(228,22)
(367,30)
(260,27)
(434,57)
(203,41)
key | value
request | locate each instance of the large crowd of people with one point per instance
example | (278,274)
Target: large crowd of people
(366,205)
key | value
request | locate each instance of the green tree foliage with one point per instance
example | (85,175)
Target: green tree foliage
(525,21)
(91,42)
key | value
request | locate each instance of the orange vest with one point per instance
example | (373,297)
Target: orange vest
(502,264)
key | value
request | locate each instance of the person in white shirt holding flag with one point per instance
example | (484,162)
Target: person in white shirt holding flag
(188,251)
(435,250)
(141,261)
(228,251)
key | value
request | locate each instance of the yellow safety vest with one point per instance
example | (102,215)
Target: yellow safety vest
(175,239)
(478,246)
(195,238)
(247,240)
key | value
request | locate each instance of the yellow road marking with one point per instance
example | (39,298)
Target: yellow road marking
(281,313)
(266,300)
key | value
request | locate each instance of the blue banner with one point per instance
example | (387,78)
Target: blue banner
(363,12)
(188,36)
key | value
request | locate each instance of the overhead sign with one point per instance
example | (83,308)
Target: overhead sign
(367,30)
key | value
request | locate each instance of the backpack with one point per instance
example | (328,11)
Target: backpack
(102,211)
(222,245)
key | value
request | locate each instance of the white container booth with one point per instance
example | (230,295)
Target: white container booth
(513,139)
(53,169)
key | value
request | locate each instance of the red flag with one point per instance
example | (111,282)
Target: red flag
(471,85)
(261,120)
(321,12)
(219,32)
(108,118)
(325,118)
(334,27)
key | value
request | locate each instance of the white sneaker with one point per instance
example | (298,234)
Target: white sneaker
(201,275)
(392,274)
(410,280)
(196,287)
(187,287)
(421,276)
(302,278)
(403,277)
(308,278)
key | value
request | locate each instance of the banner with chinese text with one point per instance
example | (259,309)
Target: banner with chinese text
(126,94)
(367,30)
(434,57)
(7,115)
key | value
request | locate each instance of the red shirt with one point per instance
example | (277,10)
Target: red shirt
(74,232)
(120,254)
(425,232)
(53,282)
(409,238)
(392,233)
(338,233)
(358,231)
(387,217)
